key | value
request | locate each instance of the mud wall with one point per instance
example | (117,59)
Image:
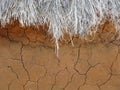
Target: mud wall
(28,60)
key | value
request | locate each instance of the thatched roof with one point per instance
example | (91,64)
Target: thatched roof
(62,16)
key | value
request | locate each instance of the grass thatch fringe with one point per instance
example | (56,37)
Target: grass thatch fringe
(62,16)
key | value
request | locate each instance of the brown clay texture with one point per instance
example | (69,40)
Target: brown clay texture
(28,60)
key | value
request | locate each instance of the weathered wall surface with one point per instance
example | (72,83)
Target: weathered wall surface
(28,61)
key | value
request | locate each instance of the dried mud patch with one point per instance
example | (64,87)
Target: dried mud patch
(28,60)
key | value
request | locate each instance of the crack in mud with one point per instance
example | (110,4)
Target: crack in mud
(10,67)
(22,61)
(69,81)
(116,57)
(78,57)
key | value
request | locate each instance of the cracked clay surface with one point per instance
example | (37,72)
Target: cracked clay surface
(28,61)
